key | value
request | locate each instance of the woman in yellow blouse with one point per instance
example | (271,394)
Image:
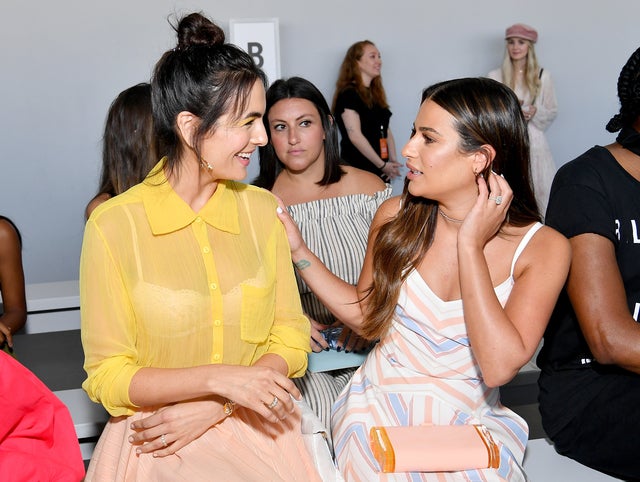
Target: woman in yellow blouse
(191,320)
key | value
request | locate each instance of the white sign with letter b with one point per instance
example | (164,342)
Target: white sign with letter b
(260,39)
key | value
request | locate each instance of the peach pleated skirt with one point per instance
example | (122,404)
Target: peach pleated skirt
(240,448)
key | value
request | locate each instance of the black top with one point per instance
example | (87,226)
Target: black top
(591,194)
(371,119)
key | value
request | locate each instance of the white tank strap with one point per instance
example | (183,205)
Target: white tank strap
(523,244)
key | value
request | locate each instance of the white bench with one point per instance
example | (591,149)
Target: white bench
(52,307)
(543,464)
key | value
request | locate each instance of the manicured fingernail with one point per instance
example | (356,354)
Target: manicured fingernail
(279,210)
(326,349)
(138,451)
(339,349)
(131,439)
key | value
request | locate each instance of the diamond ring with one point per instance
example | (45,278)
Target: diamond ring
(228,407)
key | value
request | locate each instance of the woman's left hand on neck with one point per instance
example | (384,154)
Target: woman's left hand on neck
(487,214)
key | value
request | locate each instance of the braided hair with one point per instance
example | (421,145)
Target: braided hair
(628,93)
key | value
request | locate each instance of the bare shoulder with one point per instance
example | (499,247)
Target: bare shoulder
(9,241)
(547,248)
(388,209)
(94,203)
(549,237)
(7,231)
(358,181)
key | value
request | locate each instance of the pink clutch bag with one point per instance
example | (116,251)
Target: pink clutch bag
(434,448)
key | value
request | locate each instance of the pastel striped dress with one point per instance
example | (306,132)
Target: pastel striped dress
(423,372)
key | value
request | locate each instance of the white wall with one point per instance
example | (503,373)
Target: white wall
(63,62)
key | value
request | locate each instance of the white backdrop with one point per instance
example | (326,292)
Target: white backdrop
(63,62)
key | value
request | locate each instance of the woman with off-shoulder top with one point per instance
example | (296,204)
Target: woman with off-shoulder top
(332,203)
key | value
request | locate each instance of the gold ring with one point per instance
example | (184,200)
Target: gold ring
(163,439)
(274,403)
(228,407)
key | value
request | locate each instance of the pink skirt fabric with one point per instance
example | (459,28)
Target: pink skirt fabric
(240,448)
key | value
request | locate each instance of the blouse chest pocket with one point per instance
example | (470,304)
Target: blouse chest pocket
(257,313)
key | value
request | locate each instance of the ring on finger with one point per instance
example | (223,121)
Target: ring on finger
(163,439)
(228,407)
(274,403)
(497,199)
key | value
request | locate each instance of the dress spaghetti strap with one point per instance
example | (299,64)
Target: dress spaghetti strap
(523,244)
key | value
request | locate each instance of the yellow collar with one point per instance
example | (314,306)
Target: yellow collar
(167,212)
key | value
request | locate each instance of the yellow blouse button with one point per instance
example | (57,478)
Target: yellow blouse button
(216,357)
(198,219)
(217,323)
(213,286)
(205,249)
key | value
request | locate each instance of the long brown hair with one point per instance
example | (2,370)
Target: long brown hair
(129,146)
(485,112)
(350,76)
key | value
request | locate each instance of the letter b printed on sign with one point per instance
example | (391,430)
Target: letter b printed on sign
(255,50)
(260,39)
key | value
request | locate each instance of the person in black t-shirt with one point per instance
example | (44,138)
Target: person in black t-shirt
(362,113)
(590,361)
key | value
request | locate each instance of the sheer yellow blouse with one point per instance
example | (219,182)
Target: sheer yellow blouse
(162,286)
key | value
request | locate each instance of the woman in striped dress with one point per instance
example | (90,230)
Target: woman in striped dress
(332,203)
(459,282)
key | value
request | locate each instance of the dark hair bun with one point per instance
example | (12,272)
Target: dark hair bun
(615,123)
(197,30)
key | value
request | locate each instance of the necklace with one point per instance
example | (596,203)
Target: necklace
(449,218)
